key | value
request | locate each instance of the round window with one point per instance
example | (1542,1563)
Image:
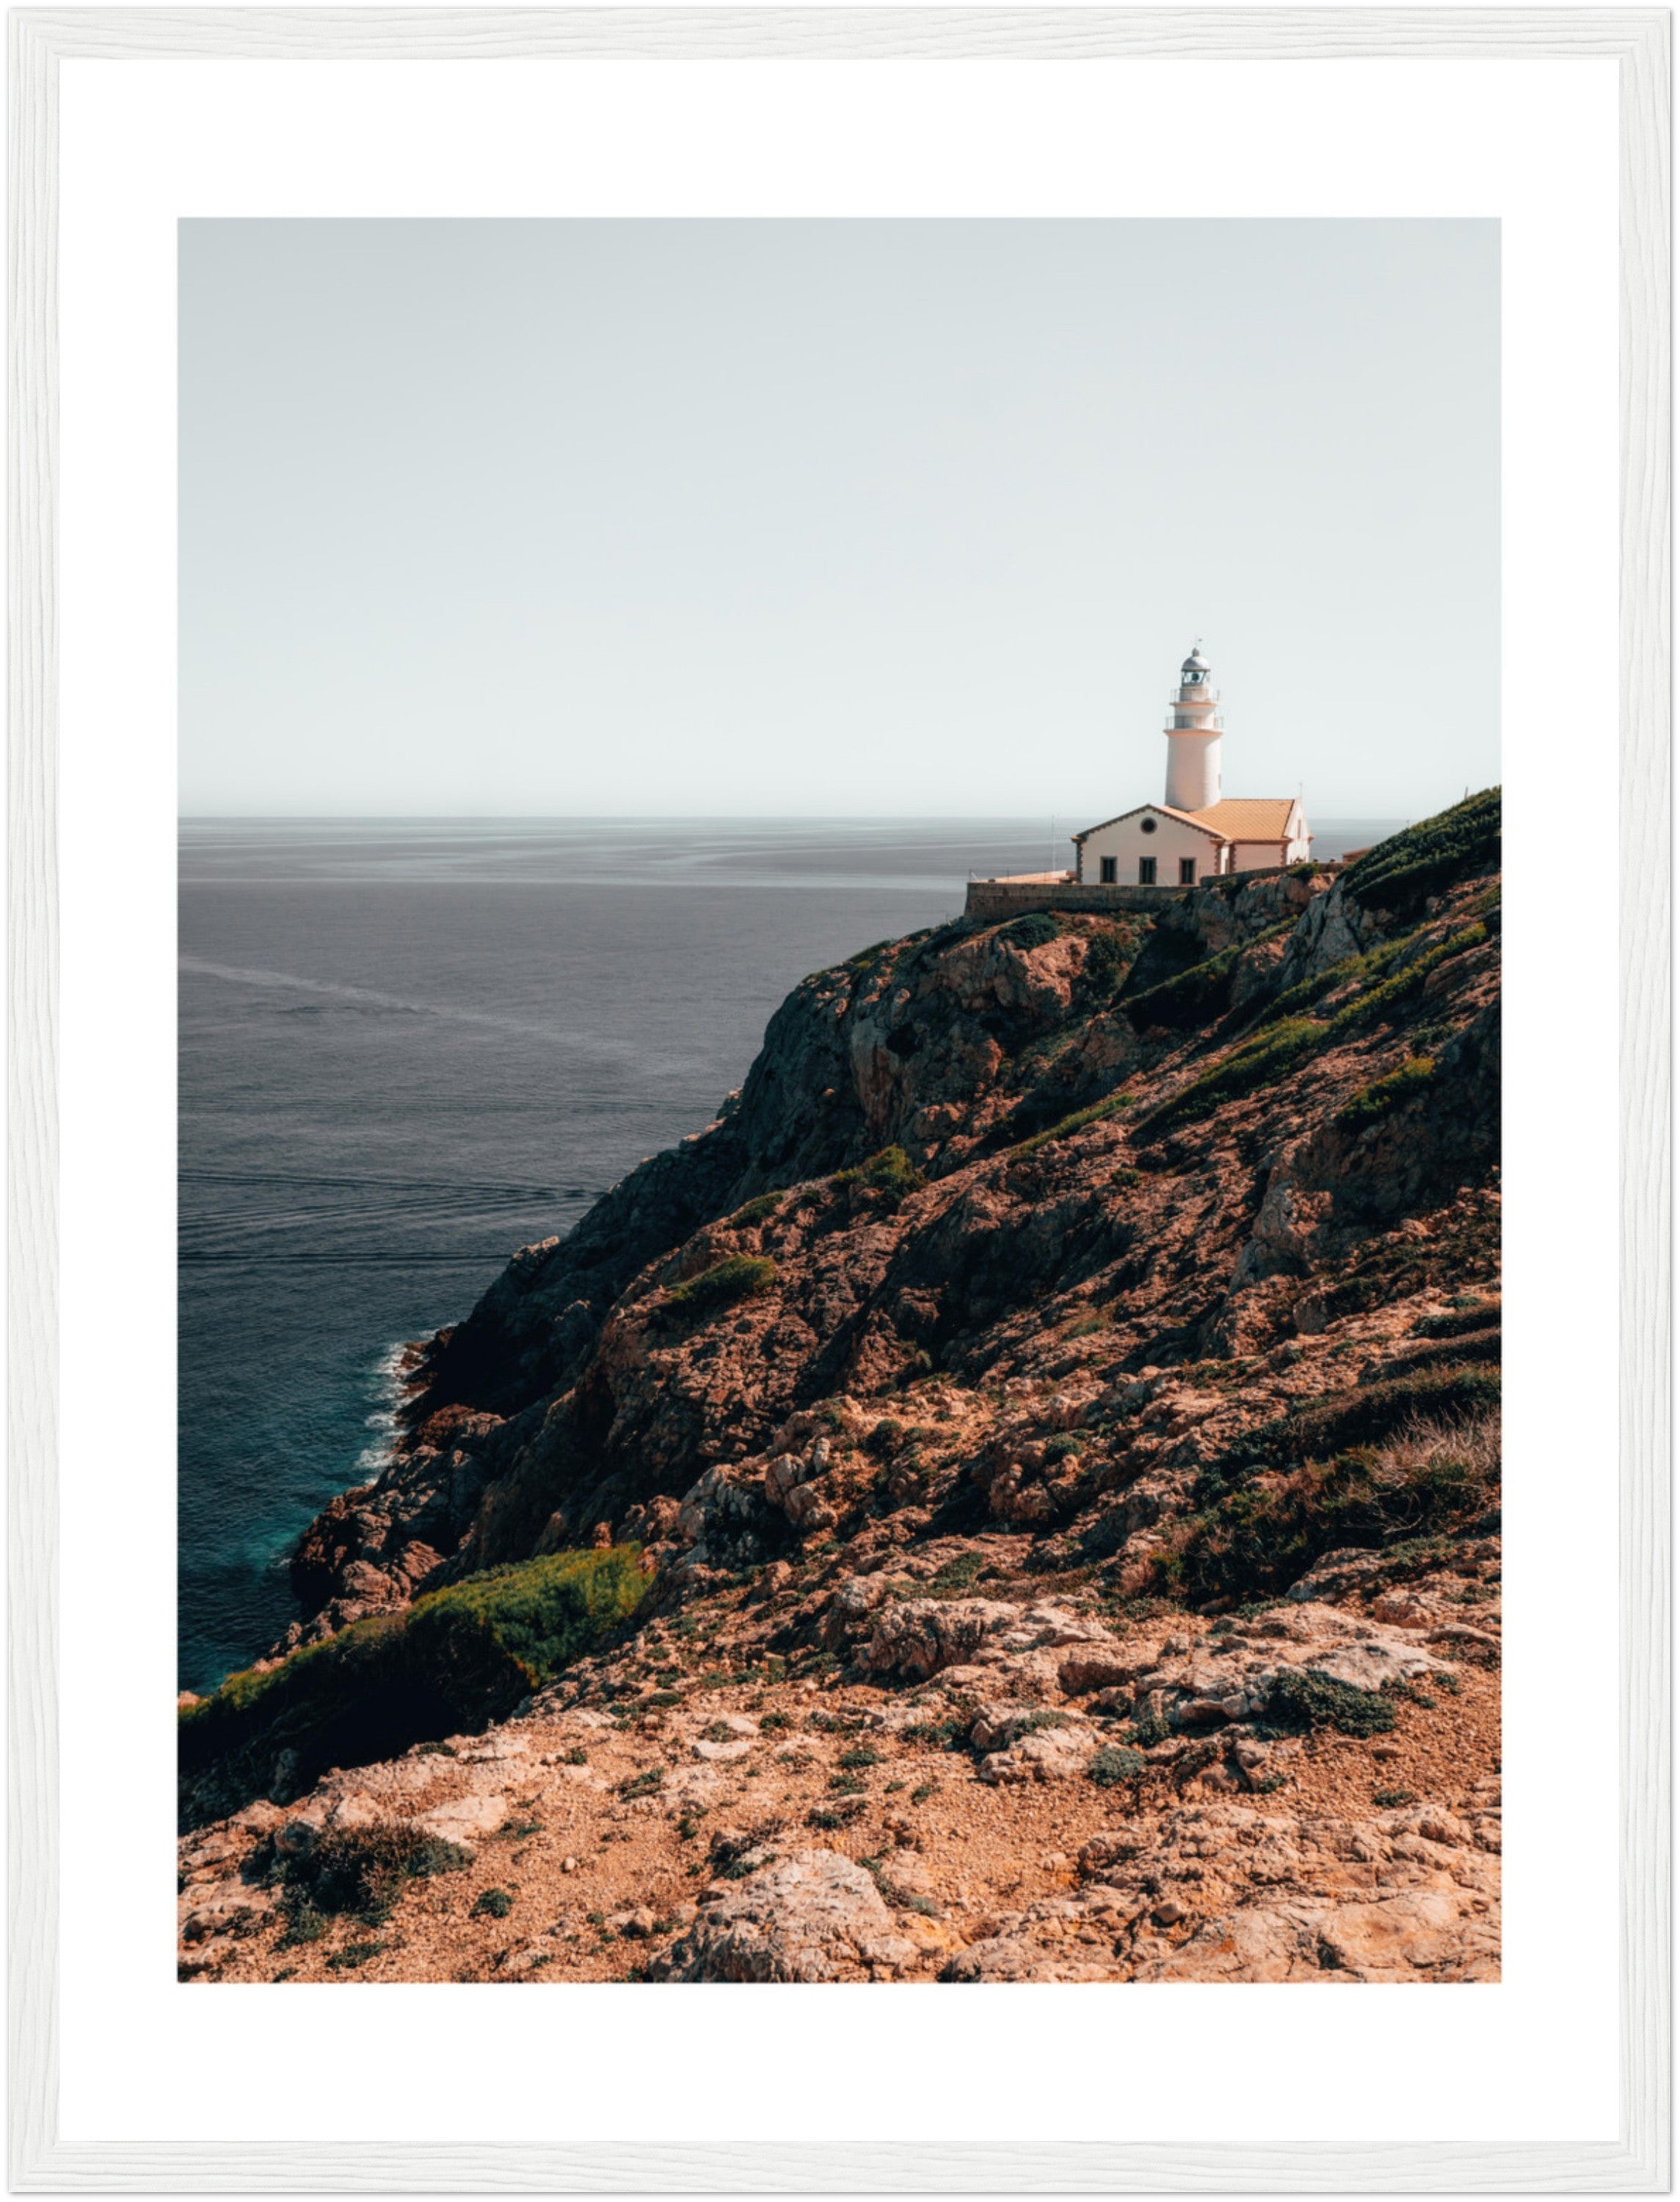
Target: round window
(1147,826)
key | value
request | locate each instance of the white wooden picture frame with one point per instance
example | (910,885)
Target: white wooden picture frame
(41,40)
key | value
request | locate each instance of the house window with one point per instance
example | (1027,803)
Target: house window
(1187,871)
(1145,871)
(1110,870)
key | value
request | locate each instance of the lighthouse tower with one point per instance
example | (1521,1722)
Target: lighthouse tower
(1194,734)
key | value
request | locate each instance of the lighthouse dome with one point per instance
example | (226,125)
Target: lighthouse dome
(1194,668)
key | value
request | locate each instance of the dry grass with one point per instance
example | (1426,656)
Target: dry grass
(1464,1448)
(1426,1479)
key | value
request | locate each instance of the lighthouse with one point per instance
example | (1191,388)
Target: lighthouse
(1198,833)
(1194,734)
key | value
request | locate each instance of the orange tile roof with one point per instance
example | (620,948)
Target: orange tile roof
(1249,817)
(1202,818)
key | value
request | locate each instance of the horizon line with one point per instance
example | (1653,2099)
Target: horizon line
(651,817)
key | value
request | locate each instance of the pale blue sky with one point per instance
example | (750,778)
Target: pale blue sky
(833,517)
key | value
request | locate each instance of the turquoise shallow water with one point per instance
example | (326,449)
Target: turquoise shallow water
(407,1049)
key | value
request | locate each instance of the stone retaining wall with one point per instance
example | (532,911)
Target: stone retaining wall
(992,900)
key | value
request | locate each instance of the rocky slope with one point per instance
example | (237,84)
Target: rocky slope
(1055,1403)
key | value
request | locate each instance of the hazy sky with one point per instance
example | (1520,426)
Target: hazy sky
(843,517)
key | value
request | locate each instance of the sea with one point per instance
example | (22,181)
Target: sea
(408,1047)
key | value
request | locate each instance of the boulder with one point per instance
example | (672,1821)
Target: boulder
(1048,1754)
(920,1636)
(1024,1743)
(230,1909)
(464,1819)
(813,1916)
(1418,1935)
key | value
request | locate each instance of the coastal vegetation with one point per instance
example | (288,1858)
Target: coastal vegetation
(1398,873)
(455,1661)
(891,1173)
(736,1277)
(1266,1531)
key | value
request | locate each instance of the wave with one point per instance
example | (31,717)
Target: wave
(388,1382)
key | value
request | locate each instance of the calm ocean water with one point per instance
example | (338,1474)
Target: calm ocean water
(408,1048)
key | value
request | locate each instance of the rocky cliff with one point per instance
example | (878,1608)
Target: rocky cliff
(1076,1344)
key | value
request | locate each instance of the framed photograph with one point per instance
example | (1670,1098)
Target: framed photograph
(766,1143)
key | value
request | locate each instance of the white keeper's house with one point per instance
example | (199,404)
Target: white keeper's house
(1200,831)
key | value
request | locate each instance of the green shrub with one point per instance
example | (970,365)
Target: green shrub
(954,1578)
(648,1784)
(1429,1039)
(1189,999)
(1110,955)
(355,1953)
(890,1172)
(455,1661)
(1255,1063)
(1030,1723)
(754,1212)
(493,1903)
(940,1734)
(1194,998)
(1481,1345)
(1413,1692)
(1265,1532)
(1081,1117)
(1302,1697)
(1400,872)
(861,960)
(1370,1008)
(361,1871)
(1116,1763)
(1037,929)
(737,1277)
(1359,1416)
(1294,999)
(1386,1800)
(1458,1321)
(493,1637)
(1372,1103)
